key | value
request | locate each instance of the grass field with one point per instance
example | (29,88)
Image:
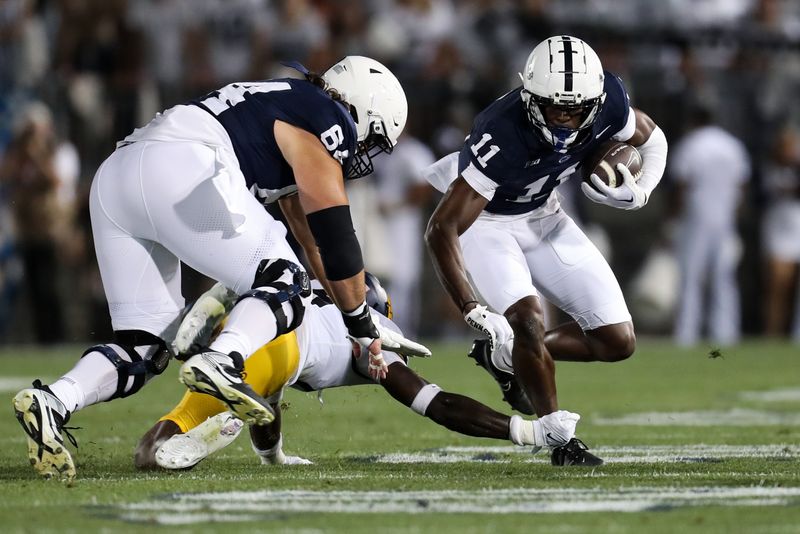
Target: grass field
(693,443)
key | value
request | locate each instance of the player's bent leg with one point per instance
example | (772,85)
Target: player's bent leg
(221,376)
(533,366)
(279,289)
(43,417)
(513,393)
(609,343)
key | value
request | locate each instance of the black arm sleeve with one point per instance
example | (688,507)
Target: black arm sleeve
(336,239)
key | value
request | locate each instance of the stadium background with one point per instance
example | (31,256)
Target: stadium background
(100,68)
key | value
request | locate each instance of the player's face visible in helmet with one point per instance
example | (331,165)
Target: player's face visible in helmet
(563,90)
(564,116)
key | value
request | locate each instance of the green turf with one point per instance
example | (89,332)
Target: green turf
(344,435)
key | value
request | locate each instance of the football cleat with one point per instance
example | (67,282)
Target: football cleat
(221,376)
(574,452)
(182,451)
(42,416)
(512,392)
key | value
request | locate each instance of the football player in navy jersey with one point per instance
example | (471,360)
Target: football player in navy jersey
(189,186)
(500,222)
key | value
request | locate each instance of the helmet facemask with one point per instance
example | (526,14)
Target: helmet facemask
(563,72)
(377,104)
(376,142)
(562,138)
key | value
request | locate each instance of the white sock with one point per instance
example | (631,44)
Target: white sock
(251,325)
(92,380)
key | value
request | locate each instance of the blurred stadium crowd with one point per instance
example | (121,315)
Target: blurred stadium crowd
(77,75)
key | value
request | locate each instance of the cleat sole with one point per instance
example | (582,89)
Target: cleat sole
(243,405)
(46,455)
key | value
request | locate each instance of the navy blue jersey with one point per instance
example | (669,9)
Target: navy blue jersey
(504,149)
(248,111)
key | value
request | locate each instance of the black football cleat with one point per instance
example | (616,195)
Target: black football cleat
(512,392)
(574,452)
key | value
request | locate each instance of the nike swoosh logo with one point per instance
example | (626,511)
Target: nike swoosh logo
(602,131)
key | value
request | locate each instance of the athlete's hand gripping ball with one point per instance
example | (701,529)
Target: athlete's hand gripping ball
(628,196)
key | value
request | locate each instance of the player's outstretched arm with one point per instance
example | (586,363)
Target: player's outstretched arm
(469,417)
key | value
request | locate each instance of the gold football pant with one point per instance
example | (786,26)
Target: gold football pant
(267,371)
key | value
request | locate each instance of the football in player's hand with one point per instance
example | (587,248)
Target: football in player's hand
(603,162)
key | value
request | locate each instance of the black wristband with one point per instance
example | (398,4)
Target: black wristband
(360,323)
(467,304)
(336,239)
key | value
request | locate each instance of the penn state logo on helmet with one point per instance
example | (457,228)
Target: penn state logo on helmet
(565,72)
(377,104)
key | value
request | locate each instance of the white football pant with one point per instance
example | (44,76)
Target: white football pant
(154,204)
(510,257)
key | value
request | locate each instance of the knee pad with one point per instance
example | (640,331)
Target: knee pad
(424,398)
(136,355)
(279,281)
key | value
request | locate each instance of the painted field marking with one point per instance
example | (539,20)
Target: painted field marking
(253,505)
(630,454)
(772,395)
(14,383)
(733,417)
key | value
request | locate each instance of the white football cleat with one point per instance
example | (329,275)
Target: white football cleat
(182,451)
(42,417)
(220,376)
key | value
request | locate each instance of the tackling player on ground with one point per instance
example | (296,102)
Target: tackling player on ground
(500,222)
(316,356)
(190,186)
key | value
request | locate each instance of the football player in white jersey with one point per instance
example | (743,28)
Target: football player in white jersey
(189,186)
(500,222)
(316,356)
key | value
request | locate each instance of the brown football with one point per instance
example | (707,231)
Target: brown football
(603,162)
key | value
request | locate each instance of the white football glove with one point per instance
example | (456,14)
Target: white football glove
(276,456)
(555,428)
(490,325)
(399,344)
(628,196)
(200,321)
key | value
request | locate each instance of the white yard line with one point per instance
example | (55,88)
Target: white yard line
(733,417)
(632,454)
(772,395)
(242,505)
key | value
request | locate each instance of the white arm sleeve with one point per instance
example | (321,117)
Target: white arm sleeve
(654,160)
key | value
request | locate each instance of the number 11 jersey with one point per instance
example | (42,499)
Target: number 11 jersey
(506,161)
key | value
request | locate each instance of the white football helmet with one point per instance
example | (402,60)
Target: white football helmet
(563,71)
(377,103)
